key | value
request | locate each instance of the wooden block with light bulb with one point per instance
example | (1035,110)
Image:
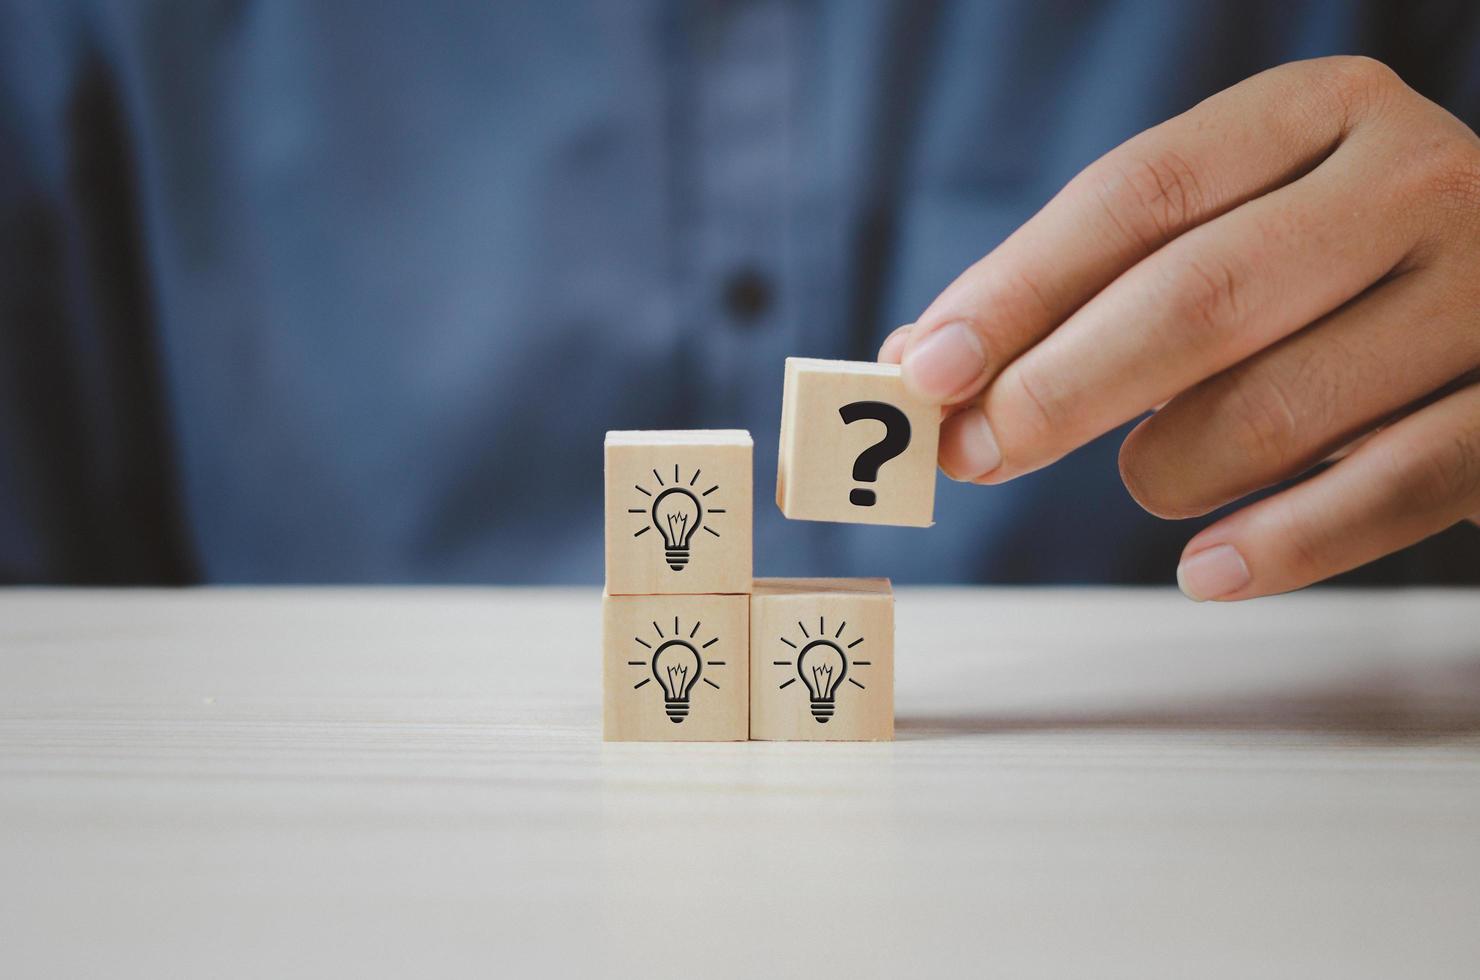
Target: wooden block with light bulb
(676,613)
(676,668)
(822,659)
(678,512)
(856,447)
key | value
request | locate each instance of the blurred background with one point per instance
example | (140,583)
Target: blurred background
(333,292)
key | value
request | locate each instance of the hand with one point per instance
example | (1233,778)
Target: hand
(1287,268)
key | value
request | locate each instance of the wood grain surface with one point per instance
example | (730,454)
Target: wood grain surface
(1085,783)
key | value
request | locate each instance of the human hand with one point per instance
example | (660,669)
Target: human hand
(1287,270)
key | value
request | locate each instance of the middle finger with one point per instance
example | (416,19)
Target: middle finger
(1202,303)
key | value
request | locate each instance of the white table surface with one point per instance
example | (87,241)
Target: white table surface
(1086,783)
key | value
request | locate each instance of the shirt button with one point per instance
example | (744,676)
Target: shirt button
(747,295)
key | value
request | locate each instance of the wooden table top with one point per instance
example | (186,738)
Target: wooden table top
(300,782)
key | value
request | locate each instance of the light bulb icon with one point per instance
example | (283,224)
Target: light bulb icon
(675,664)
(676,667)
(677,515)
(822,666)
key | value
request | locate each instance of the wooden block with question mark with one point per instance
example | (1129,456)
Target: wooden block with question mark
(678,512)
(822,660)
(856,447)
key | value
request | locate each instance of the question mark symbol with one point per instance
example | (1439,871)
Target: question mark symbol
(896,440)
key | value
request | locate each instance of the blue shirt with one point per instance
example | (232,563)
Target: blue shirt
(325,292)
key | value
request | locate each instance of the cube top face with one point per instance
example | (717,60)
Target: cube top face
(678,512)
(676,668)
(678,437)
(823,586)
(822,660)
(856,447)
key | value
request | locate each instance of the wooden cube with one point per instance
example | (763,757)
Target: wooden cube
(678,512)
(676,668)
(856,447)
(822,659)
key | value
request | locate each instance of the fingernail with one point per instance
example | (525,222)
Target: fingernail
(945,362)
(893,346)
(1213,574)
(970,448)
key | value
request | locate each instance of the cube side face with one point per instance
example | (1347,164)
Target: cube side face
(822,666)
(816,477)
(678,517)
(675,668)
(783,443)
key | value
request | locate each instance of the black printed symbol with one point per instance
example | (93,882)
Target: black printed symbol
(678,513)
(676,664)
(896,440)
(822,665)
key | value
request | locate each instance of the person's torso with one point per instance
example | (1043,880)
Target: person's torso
(401,266)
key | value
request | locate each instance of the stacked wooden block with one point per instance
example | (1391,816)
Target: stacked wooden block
(676,614)
(695,648)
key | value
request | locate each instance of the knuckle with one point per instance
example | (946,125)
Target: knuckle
(1041,421)
(1463,471)
(1357,83)
(1453,181)
(1035,295)
(1364,73)
(1209,293)
(1109,193)
(1262,419)
(1435,479)
(1257,415)
(1163,195)
(1304,550)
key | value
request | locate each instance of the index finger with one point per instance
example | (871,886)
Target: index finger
(1237,145)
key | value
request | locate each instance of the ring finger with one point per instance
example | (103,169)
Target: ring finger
(1288,407)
